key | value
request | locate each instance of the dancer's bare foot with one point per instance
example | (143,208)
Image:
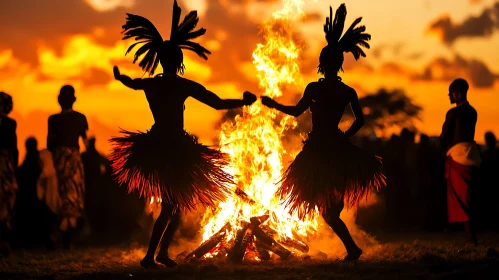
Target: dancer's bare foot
(166,261)
(353,255)
(148,263)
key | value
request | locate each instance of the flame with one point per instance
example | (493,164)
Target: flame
(253,140)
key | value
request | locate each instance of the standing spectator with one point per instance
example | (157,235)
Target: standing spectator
(64,131)
(8,162)
(463,159)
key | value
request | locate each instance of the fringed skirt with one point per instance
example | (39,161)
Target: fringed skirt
(329,169)
(176,168)
(70,178)
(8,188)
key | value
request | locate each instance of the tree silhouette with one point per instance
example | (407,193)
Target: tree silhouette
(386,109)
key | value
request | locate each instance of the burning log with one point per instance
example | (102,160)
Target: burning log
(244,196)
(300,246)
(268,230)
(209,244)
(224,248)
(296,242)
(243,238)
(257,221)
(262,250)
(271,243)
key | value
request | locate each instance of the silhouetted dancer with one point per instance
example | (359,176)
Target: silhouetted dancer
(29,210)
(166,161)
(8,163)
(97,200)
(490,183)
(330,169)
(64,131)
(463,158)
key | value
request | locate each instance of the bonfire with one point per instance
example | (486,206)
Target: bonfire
(252,224)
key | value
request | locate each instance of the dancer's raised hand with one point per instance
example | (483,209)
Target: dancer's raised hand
(249,98)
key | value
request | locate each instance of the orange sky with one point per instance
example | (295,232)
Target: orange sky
(418,45)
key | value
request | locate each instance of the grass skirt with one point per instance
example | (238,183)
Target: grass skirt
(8,188)
(176,168)
(327,170)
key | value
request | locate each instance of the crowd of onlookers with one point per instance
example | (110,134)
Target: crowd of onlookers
(416,192)
(56,196)
(110,213)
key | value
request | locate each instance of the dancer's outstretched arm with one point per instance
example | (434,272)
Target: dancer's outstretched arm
(296,110)
(211,99)
(358,114)
(127,81)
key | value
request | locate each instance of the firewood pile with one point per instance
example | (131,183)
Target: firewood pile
(254,240)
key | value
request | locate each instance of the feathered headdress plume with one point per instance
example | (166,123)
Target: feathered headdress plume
(144,32)
(353,37)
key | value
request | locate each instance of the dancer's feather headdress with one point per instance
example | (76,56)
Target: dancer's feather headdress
(144,32)
(354,38)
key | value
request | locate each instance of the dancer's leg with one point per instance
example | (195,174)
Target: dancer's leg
(157,233)
(332,217)
(172,227)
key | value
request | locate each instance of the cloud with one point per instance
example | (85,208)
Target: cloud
(109,5)
(46,35)
(441,69)
(96,77)
(482,25)
(228,27)
(415,55)
(393,68)
(29,23)
(395,49)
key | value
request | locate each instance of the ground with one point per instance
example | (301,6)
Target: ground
(407,256)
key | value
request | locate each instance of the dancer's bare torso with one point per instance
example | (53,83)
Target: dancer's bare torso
(166,96)
(328,102)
